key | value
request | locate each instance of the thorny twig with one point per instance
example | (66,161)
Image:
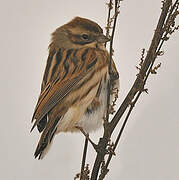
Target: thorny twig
(84,159)
(166,22)
(109,20)
(109,23)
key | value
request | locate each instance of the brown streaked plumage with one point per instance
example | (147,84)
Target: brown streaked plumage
(74,86)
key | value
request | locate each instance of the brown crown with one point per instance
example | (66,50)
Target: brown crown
(85,24)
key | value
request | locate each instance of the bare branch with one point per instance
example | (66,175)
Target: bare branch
(104,141)
(84,159)
(166,21)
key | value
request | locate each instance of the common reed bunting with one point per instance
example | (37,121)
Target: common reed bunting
(74,87)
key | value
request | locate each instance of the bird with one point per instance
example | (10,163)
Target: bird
(74,86)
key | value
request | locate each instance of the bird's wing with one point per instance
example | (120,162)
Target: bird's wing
(64,71)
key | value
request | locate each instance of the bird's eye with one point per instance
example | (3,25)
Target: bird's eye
(85,36)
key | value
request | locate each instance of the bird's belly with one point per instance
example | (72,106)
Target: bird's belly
(93,120)
(76,114)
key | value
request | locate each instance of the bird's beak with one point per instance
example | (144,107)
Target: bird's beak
(102,39)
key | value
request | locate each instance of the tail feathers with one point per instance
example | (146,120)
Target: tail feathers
(46,140)
(44,146)
(42,123)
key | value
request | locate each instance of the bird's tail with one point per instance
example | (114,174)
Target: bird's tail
(46,139)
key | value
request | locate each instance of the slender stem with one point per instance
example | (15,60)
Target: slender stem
(108,19)
(84,158)
(118,137)
(147,62)
(138,95)
(104,141)
(110,57)
(136,89)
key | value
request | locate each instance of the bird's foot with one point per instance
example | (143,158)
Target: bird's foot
(95,146)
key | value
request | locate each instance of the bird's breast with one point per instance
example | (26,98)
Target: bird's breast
(76,114)
(95,112)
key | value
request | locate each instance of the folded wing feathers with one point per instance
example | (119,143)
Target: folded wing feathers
(53,93)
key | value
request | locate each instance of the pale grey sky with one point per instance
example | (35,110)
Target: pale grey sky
(149,148)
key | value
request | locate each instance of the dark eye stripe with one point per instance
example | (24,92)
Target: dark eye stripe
(82,42)
(79,40)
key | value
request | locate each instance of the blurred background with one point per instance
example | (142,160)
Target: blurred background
(149,148)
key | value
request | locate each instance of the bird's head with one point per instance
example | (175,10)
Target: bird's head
(78,33)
